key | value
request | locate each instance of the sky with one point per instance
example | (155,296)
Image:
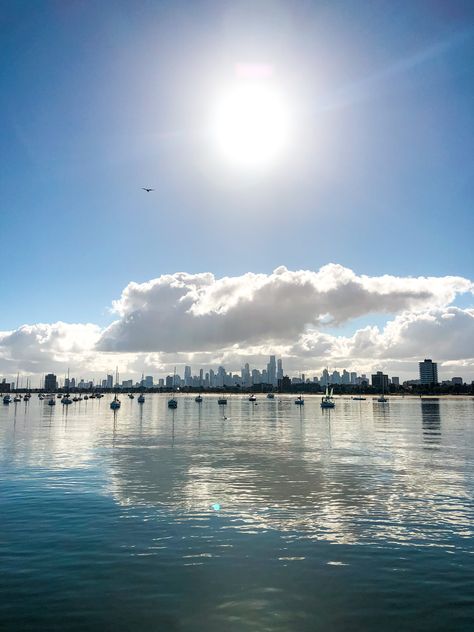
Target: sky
(351,248)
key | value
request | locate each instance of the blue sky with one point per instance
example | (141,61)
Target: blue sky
(100,99)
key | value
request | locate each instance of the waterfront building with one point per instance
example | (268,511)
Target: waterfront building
(396,381)
(4,386)
(149,381)
(380,381)
(428,372)
(50,382)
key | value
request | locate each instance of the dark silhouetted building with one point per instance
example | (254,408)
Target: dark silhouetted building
(50,382)
(428,372)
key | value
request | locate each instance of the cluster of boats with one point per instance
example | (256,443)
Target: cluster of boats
(327,401)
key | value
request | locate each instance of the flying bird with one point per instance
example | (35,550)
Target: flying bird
(147,190)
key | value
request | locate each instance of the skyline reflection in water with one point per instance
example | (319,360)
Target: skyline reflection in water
(372,490)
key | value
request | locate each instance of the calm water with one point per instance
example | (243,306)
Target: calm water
(278,518)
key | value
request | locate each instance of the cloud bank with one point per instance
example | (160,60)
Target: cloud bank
(201,319)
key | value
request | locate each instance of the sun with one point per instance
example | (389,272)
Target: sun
(251,125)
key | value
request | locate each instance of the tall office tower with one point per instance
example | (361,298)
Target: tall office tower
(256,376)
(221,376)
(325,378)
(201,377)
(380,381)
(50,382)
(271,371)
(187,375)
(110,381)
(245,372)
(279,369)
(336,377)
(428,372)
(346,377)
(353,377)
(149,381)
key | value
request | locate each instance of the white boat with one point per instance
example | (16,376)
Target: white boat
(17,398)
(327,401)
(299,401)
(66,400)
(252,398)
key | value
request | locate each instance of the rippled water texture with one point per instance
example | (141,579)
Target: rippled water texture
(276,518)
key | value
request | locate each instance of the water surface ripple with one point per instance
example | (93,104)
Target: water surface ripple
(263,516)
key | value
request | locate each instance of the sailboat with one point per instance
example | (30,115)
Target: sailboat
(299,401)
(66,399)
(382,399)
(115,403)
(359,397)
(141,397)
(327,401)
(198,399)
(173,403)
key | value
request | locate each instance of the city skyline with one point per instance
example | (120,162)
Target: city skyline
(271,376)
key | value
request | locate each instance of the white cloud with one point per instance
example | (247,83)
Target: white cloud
(184,312)
(203,321)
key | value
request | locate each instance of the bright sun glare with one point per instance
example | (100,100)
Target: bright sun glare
(251,125)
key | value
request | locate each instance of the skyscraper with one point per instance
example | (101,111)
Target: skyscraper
(279,369)
(380,381)
(50,382)
(428,372)
(187,375)
(271,371)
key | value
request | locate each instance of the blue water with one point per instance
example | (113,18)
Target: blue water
(277,518)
